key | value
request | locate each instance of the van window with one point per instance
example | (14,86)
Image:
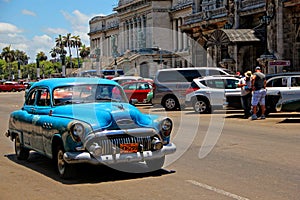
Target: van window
(231,84)
(215,83)
(178,76)
(295,81)
(277,82)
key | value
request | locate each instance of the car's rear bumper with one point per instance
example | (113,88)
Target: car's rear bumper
(86,157)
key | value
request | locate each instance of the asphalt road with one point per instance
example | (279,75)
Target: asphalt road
(219,156)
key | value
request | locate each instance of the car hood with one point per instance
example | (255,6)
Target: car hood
(105,115)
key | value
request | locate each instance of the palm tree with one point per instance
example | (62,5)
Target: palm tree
(9,56)
(77,44)
(84,51)
(41,56)
(59,42)
(68,42)
(53,52)
(21,56)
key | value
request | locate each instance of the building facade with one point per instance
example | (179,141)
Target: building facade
(142,36)
(240,34)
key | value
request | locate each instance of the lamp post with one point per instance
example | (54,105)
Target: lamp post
(160,58)
(63,63)
(38,69)
(115,67)
(265,20)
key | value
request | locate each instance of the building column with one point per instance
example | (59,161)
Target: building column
(130,34)
(179,36)
(175,35)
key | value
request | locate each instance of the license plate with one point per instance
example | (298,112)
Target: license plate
(129,148)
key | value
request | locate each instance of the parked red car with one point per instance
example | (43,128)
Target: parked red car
(11,86)
(137,90)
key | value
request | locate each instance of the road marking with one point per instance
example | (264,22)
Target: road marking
(219,191)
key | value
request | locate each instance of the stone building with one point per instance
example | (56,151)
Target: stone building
(141,36)
(240,34)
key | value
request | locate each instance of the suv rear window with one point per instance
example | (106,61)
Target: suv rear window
(178,76)
(186,75)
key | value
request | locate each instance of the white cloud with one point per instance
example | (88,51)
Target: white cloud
(28,12)
(8,28)
(79,24)
(12,35)
(56,31)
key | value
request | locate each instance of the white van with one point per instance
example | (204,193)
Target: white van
(170,84)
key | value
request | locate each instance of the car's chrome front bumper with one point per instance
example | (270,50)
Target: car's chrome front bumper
(86,157)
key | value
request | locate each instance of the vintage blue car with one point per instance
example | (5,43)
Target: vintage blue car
(87,120)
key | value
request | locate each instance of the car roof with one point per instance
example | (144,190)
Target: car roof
(191,68)
(216,77)
(138,81)
(268,76)
(126,77)
(57,82)
(282,76)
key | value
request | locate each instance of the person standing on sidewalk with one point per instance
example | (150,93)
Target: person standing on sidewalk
(258,84)
(246,93)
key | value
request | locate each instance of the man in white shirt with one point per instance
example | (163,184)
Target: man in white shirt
(246,93)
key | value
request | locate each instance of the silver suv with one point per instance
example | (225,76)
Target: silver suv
(287,86)
(213,92)
(170,84)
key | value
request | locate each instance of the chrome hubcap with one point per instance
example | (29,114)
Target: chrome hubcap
(170,103)
(60,162)
(200,106)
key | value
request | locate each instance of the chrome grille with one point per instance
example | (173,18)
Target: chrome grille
(109,143)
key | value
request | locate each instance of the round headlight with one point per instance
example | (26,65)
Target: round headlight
(166,126)
(77,131)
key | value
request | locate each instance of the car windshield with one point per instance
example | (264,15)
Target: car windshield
(77,94)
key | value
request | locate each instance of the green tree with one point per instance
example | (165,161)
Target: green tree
(77,45)
(41,56)
(9,56)
(68,42)
(84,51)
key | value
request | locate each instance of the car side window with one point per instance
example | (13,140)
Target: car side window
(130,87)
(215,84)
(231,84)
(43,97)
(295,81)
(278,82)
(31,98)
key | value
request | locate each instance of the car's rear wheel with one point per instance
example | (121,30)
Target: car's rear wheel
(155,164)
(201,105)
(170,103)
(64,169)
(22,153)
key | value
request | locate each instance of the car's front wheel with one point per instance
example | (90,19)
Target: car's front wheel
(201,105)
(170,103)
(155,164)
(64,169)
(22,153)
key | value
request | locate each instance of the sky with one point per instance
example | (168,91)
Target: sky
(32,25)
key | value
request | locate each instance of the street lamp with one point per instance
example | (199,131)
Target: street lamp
(266,20)
(63,63)
(160,58)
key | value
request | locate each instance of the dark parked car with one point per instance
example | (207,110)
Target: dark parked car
(87,120)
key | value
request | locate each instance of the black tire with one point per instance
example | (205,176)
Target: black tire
(155,164)
(201,105)
(170,103)
(64,169)
(22,153)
